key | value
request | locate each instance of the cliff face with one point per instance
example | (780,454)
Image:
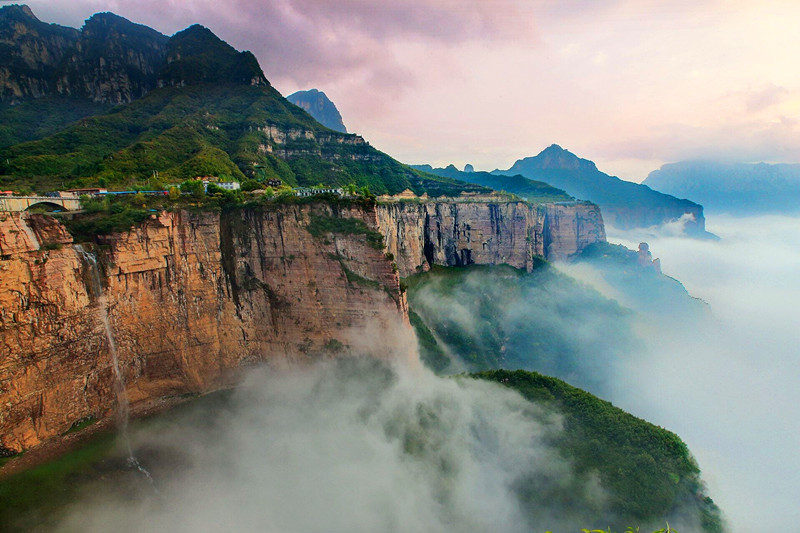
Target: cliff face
(421,234)
(32,51)
(111,60)
(318,105)
(191,298)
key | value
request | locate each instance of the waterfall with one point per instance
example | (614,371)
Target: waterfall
(123,406)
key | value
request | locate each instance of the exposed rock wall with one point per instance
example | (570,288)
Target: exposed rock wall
(191,298)
(421,234)
(110,60)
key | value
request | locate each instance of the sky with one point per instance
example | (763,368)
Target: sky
(629,84)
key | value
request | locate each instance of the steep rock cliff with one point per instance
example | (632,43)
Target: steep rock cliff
(421,234)
(191,297)
(111,60)
(31,53)
(318,105)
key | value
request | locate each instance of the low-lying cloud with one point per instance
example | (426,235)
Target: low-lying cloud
(353,445)
(727,385)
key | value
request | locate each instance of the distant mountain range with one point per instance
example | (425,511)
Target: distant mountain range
(731,187)
(530,190)
(625,205)
(319,106)
(176,107)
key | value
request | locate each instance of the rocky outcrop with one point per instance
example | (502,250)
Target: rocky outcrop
(192,297)
(290,143)
(424,233)
(32,52)
(318,105)
(111,60)
(114,61)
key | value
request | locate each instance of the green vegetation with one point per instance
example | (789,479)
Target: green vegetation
(106,216)
(535,192)
(432,355)
(322,225)
(208,130)
(647,470)
(50,486)
(35,119)
(81,424)
(491,317)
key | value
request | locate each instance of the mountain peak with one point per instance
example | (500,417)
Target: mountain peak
(17,11)
(554,157)
(318,105)
(197,55)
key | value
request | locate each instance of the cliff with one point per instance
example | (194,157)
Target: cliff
(111,60)
(421,234)
(318,105)
(191,298)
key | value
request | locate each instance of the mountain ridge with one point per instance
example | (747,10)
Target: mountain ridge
(625,205)
(740,188)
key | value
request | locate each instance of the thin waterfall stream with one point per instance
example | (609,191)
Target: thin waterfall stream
(123,406)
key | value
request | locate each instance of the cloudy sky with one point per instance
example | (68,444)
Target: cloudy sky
(630,84)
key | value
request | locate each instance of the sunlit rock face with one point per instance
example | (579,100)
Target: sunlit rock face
(421,234)
(193,297)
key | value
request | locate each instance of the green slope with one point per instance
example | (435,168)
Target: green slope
(215,114)
(208,129)
(531,190)
(490,317)
(647,471)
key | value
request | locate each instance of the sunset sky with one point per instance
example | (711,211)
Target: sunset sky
(628,84)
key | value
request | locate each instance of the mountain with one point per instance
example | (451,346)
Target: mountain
(51,75)
(625,205)
(110,60)
(531,190)
(191,106)
(732,187)
(319,106)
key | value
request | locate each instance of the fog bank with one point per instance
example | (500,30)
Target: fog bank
(727,385)
(353,445)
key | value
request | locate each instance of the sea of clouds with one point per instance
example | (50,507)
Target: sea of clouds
(728,385)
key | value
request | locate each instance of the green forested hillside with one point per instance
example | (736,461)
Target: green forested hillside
(490,317)
(647,471)
(531,190)
(215,114)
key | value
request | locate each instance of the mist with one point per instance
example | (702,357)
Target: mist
(498,317)
(350,445)
(727,384)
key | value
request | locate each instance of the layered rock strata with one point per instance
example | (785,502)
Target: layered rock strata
(191,298)
(424,233)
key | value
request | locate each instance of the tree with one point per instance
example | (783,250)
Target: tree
(193,187)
